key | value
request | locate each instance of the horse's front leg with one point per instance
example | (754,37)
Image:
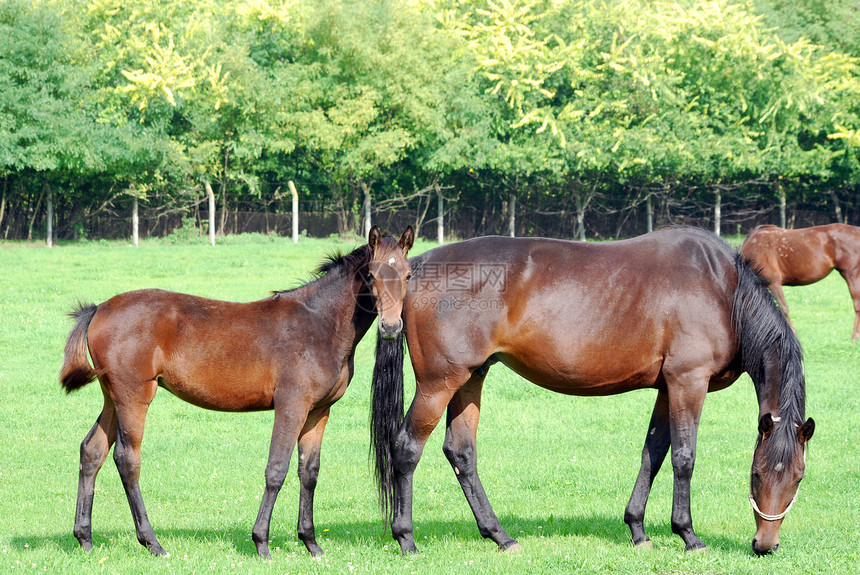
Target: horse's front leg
(423,416)
(686,398)
(290,416)
(657,443)
(460,448)
(310,442)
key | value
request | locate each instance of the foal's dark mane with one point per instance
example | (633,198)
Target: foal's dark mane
(336,260)
(770,342)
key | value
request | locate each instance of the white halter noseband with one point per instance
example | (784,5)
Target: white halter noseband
(778,516)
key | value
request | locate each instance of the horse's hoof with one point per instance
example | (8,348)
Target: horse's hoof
(699,549)
(511,547)
(158,551)
(646,544)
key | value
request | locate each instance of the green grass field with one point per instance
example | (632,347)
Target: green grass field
(558,469)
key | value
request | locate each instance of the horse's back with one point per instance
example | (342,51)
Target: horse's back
(585,318)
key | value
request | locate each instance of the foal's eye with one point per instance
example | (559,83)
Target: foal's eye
(408,277)
(370,278)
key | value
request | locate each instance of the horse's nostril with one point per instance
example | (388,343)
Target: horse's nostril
(761,552)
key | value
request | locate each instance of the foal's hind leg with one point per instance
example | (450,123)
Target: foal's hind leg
(94,450)
(131,415)
(852,278)
(779,294)
(657,443)
(460,448)
(310,442)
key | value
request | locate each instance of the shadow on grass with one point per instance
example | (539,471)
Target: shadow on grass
(430,535)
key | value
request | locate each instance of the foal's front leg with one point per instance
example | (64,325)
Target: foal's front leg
(310,442)
(290,416)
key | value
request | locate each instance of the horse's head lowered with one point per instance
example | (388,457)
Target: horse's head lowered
(387,275)
(778,465)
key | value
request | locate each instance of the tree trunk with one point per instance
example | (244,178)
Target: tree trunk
(295,195)
(836,207)
(781,192)
(512,220)
(224,210)
(49,203)
(649,215)
(35,213)
(718,210)
(135,220)
(440,220)
(210,195)
(580,217)
(366,209)
(3,201)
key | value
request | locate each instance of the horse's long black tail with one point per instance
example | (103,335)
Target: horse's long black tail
(386,415)
(77,371)
(770,351)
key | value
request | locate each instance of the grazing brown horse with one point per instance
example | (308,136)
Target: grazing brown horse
(292,352)
(675,310)
(804,256)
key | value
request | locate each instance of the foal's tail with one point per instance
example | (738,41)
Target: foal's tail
(77,371)
(386,415)
(766,340)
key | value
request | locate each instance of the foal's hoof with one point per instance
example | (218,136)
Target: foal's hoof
(511,547)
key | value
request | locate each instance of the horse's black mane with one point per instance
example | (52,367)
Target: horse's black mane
(768,341)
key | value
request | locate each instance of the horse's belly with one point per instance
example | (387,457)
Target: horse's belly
(585,378)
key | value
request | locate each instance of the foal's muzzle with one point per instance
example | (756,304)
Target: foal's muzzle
(390,330)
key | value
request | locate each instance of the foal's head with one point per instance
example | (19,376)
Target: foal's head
(778,465)
(388,272)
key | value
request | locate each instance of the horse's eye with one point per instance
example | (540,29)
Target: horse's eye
(370,277)
(756,475)
(408,277)
(798,481)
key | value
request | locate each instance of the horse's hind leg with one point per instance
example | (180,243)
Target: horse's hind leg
(94,451)
(309,444)
(126,454)
(460,448)
(657,443)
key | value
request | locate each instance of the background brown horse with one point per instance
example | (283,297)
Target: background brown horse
(804,256)
(292,352)
(675,310)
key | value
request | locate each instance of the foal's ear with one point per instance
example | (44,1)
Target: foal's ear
(407,239)
(805,431)
(373,237)
(765,425)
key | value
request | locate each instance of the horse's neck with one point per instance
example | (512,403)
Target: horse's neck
(772,397)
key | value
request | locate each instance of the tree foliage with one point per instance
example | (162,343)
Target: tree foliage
(568,104)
